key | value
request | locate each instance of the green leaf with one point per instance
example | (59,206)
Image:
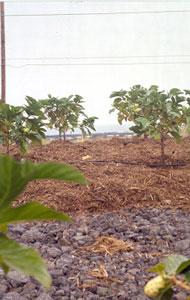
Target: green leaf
(186,273)
(57,171)
(176,136)
(159,268)
(120,93)
(13,183)
(184,266)
(24,260)
(3,228)
(145,122)
(19,174)
(4,267)
(187,92)
(30,212)
(175,91)
(111,110)
(175,264)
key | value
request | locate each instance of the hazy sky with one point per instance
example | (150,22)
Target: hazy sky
(121,42)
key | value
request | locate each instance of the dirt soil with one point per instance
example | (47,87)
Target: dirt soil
(114,184)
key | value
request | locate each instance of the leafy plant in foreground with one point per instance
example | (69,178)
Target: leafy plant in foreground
(154,113)
(173,271)
(14,177)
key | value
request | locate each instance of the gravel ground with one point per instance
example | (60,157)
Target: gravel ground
(153,233)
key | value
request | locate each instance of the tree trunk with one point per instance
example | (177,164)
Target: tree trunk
(162,149)
(59,133)
(64,136)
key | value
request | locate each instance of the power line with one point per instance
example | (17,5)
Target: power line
(98,13)
(95,57)
(100,64)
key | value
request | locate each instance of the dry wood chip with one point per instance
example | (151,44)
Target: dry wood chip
(108,245)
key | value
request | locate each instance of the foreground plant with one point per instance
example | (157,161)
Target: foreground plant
(14,177)
(173,271)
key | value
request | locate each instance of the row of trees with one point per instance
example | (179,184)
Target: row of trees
(154,113)
(21,125)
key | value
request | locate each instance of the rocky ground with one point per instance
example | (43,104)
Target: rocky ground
(82,271)
(129,198)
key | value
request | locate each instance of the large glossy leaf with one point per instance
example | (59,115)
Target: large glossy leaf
(57,171)
(14,176)
(30,212)
(11,180)
(24,260)
(175,264)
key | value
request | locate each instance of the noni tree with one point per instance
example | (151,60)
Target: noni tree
(66,114)
(14,177)
(20,126)
(154,113)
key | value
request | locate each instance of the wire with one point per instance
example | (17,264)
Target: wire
(97,13)
(95,57)
(99,64)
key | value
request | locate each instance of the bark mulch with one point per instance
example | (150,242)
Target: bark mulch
(121,172)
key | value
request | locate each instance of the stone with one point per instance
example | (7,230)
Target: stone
(12,296)
(16,279)
(102,290)
(183,245)
(63,242)
(32,235)
(54,252)
(60,293)
(181,296)
(44,296)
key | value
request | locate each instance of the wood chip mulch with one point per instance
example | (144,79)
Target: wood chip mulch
(111,183)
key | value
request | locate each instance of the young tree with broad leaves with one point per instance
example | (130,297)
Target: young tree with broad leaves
(21,125)
(67,114)
(154,113)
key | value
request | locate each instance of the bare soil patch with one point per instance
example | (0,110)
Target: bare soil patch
(113,185)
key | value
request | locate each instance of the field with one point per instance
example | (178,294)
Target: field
(121,172)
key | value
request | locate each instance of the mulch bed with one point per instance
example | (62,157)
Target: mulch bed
(112,182)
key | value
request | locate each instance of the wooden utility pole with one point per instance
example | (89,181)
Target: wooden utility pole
(3,71)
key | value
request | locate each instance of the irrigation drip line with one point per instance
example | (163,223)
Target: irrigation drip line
(128,163)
